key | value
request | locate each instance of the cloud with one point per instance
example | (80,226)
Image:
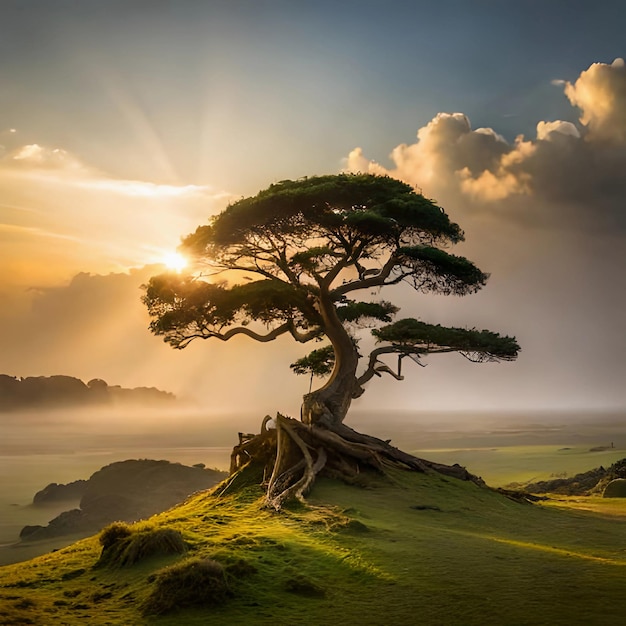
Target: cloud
(101,223)
(564,172)
(142,189)
(600,93)
(545,216)
(55,165)
(96,326)
(40,157)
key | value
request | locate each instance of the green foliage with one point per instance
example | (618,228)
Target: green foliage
(353,204)
(295,253)
(317,363)
(180,303)
(419,337)
(312,258)
(269,300)
(183,307)
(357,311)
(436,271)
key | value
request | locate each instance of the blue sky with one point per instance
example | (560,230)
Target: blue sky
(222,84)
(124,124)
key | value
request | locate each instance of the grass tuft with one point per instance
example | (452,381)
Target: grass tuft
(192,583)
(113,533)
(125,550)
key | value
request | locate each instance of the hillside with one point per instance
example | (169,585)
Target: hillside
(410,548)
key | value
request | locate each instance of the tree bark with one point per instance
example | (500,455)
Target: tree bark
(329,405)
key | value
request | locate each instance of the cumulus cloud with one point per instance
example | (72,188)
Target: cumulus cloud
(578,171)
(600,93)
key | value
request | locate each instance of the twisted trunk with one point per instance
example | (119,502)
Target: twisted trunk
(329,405)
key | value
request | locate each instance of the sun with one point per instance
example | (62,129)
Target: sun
(174,261)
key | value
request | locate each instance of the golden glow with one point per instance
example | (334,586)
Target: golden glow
(174,261)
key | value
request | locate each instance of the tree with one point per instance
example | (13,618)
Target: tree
(320,363)
(290,261)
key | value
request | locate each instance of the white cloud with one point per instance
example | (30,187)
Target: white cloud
(579,173)
(36,157)
(55,164)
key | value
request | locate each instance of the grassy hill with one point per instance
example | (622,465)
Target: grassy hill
(404,549)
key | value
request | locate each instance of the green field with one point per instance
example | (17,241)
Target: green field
(523,464)
(407,549)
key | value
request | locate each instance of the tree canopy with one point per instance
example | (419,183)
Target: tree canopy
(291,261)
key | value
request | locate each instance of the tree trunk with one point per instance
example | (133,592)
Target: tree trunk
(329,405)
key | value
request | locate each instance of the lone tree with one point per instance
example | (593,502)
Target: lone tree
(291,260)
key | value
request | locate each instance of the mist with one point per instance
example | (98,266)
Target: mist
(554,291)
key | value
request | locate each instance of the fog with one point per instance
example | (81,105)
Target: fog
(130,433)
(40,447)
(557,292)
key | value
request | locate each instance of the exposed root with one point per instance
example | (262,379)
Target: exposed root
(276,492)
(294,453)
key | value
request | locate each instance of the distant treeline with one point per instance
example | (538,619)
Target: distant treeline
(45,392)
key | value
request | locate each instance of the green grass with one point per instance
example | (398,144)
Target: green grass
(405,550)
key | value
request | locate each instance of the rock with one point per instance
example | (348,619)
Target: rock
(592,482)
(615,489)
(27,531)
(68,523)
(54,493)
(124,491)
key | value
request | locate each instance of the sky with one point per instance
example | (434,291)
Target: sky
(124,124)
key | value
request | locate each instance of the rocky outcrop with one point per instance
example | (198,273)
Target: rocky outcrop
(587,483)
(124,491)
(68,523)
(54,493)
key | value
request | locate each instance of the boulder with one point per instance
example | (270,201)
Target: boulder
(123,491)
(615,489)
